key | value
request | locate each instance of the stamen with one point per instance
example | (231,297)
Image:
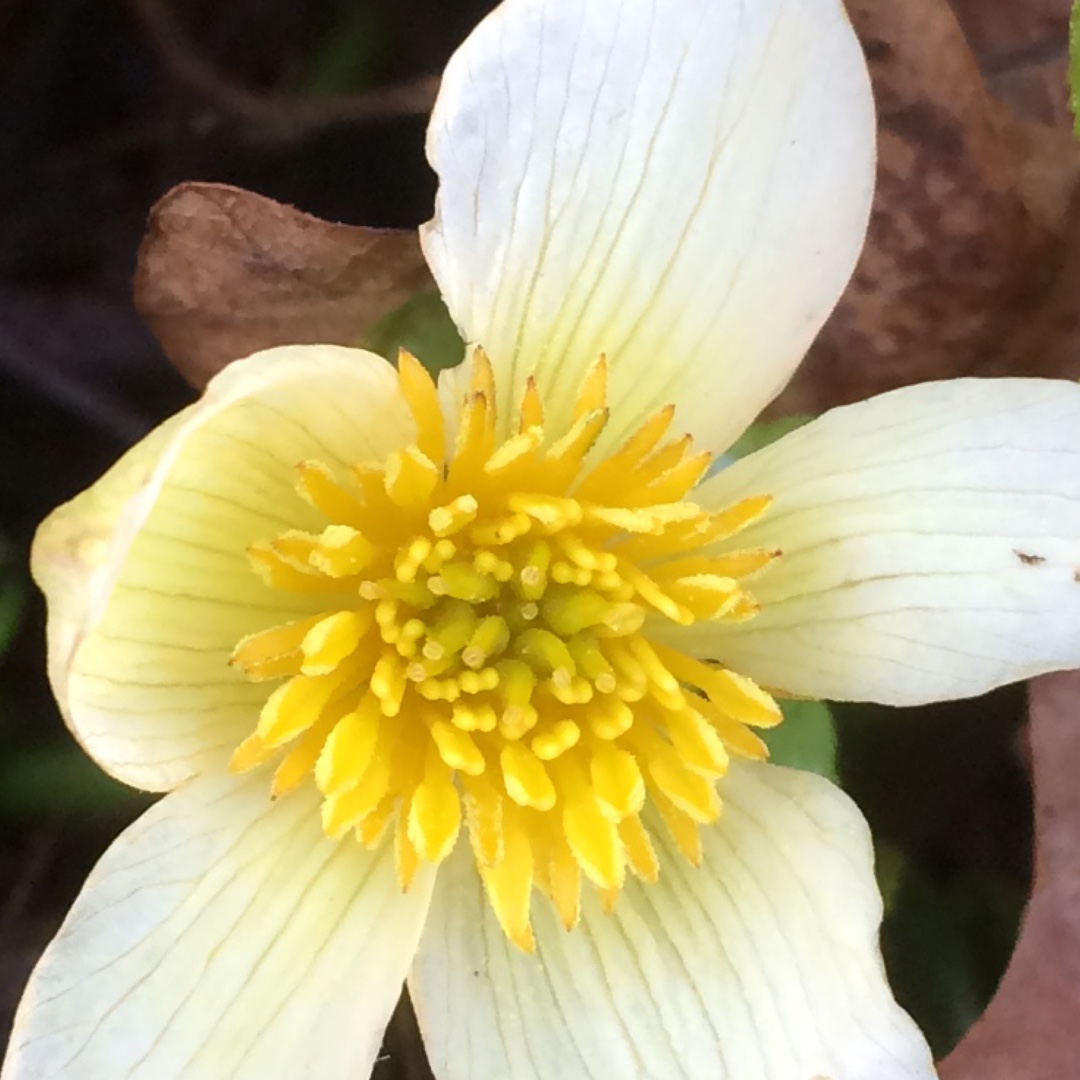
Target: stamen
(477,652)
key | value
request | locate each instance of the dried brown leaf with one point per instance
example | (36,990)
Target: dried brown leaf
(1030,1030)
(954,248)
(1022,48)
(224,272)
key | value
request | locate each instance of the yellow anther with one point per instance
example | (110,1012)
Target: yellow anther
(610,718)
(447,520)
(442,551)
(434,811)
(697,742)
(509,882)
(569,611)
(299,762)
(439,690)
(250,754)
(567,574)
(483,807)
(593,392)
(294,706)
(676,482)
(453,625)
(544,651)
(517,721)
(475,439)
(531,411)
(640,855)
(525,777)
(473,717)
(487,562)
(406,857)
(457,747)
(280,571)
(334,638)
(411,477)
(617,781)
(349,748)
(503,530)
(569,689)
(652,594)
(689,791)
(514,452)
(342,551)
(476,682)
(566,454)
(552,512)
(621,620)
(274,653)
(592,663)
(592,835)
(317,486)
(350,807)
(388,683)
(532,577)
(737,696)
(386,617)
(585,556)
(564,881)
(490,638)
(422,396)
(609,475)
(411,557)
(464,582)
(632,679)
(563,735)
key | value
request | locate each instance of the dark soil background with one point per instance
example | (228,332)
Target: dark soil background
(106,105)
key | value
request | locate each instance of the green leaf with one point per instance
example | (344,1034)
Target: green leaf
(12,595)
(351,53)
(62,782)
(805,740)
(423,326)
(946,944)
(758,436)
(1074,67)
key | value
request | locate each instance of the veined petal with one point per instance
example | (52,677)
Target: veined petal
(223,935)
(931,545)
(682,185)
(146,573)
(761,965)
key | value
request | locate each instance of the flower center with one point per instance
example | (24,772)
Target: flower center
(482,649)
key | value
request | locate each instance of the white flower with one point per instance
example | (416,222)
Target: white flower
(492,594)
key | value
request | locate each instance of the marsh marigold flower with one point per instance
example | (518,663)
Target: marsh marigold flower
(459,684)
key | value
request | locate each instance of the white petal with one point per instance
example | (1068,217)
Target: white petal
(146,573)
(222,936)
(681,184)
(931,545)
(761,965)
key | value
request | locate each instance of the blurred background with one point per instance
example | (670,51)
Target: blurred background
(971,268)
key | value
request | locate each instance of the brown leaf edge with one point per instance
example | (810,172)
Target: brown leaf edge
(223,272)
(1031,1029)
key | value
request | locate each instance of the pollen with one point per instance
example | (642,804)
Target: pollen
(481,659)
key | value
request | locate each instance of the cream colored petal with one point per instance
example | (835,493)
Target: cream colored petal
(931,541)
(222,936)
(761,965)
(681,184)
(146,576)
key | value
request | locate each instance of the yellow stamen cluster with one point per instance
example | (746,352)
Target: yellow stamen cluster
(483,654)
